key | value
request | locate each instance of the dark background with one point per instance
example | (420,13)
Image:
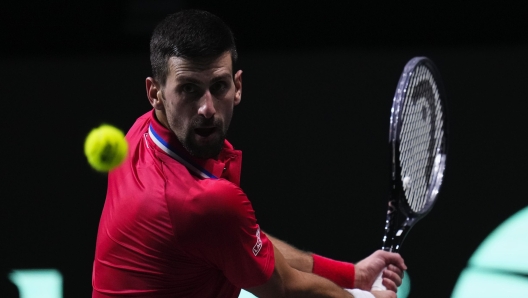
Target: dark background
(313,124)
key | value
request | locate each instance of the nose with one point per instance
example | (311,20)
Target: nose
(206,108)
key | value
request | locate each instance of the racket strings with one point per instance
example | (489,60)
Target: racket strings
(421,137)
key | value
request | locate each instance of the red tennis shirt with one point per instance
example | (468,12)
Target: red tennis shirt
(176,226)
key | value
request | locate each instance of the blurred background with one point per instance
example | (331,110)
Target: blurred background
(319,78)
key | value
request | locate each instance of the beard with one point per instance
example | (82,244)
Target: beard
(214,133)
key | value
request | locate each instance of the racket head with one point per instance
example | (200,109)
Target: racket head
(418,148)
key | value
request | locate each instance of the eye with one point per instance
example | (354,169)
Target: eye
(219,87)
(189,88)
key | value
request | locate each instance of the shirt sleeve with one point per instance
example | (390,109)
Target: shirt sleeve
(223,230)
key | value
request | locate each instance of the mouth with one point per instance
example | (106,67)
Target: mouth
(205,131)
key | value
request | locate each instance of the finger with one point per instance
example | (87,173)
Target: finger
(393,258)
(390,285)
(396,270)
(394,277)
(383,294)
(378,283)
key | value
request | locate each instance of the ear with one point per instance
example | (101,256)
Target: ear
(238,87)
(154,93)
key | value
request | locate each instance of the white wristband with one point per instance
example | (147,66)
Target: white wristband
(360,293)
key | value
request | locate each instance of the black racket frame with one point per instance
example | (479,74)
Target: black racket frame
(400,216)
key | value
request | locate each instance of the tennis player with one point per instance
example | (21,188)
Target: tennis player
(175,222)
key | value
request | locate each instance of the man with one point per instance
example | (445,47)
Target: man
(175,222)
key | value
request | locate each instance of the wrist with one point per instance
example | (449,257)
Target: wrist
(341,273)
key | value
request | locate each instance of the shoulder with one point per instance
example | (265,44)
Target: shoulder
(213,204)
(212,208)
(223,197)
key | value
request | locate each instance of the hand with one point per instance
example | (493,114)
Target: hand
(384,294)
(368,269)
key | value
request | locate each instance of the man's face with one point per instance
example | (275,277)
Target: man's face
(197,102)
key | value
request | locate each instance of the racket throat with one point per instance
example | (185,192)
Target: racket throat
(393,240)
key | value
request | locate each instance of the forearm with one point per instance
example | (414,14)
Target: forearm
(289,282)
(312,285)
(341,273)
(296,258)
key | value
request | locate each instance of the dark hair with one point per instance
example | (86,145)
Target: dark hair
(189,34)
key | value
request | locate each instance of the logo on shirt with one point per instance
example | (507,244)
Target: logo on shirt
(258,245)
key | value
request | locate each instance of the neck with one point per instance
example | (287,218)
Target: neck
(162,118)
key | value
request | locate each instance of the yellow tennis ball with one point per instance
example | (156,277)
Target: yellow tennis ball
(105,148)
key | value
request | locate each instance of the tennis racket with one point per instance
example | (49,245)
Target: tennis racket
(418,146)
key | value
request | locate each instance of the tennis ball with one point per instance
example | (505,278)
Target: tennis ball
(105,147)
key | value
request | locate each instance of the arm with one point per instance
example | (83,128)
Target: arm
(226,235)
(341,273)
(289,282)
(298,259)
(363,274)
(246,258)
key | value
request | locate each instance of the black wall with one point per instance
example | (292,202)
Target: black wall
(313,124)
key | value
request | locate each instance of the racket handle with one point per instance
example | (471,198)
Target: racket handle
(359,293)
(378,286)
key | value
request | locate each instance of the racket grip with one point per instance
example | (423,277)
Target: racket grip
(359,293)
(378,286)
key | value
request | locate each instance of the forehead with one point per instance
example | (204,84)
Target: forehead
(219,65)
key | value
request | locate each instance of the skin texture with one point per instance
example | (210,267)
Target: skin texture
(196,103)
(367,270)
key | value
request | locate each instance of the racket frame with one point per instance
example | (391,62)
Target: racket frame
(400,216)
